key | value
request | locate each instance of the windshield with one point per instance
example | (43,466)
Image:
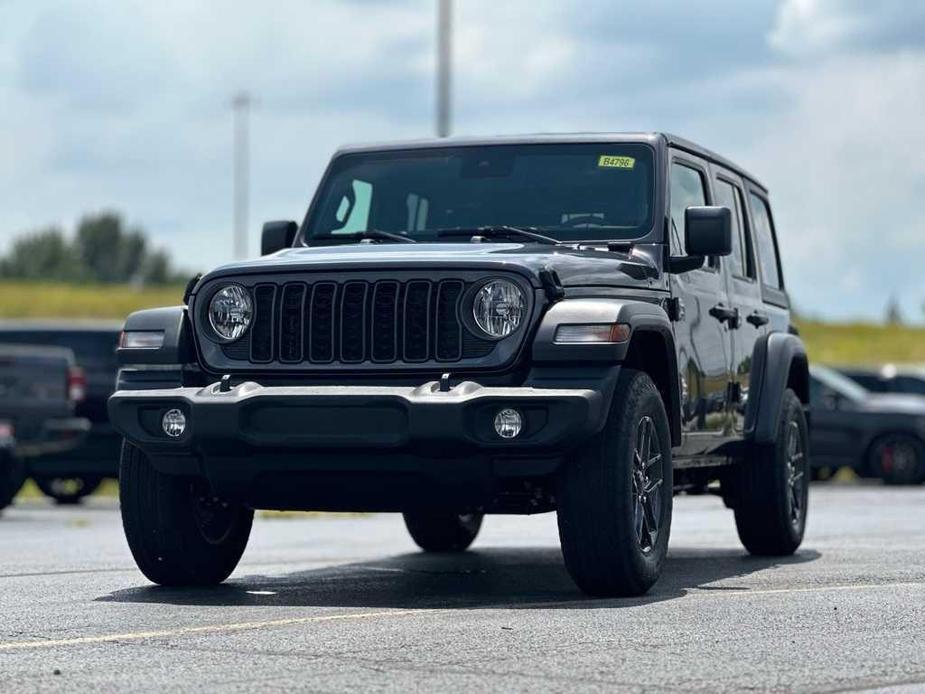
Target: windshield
(569,192)
(840,384)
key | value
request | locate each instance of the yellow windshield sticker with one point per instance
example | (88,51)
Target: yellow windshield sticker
(609,161)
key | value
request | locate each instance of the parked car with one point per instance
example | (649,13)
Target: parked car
(38,390)
(889,379)
(582,324)
(877,434)
(68,476)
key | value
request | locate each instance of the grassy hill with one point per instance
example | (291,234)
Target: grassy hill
(57,300)
(863,343)
(833,343)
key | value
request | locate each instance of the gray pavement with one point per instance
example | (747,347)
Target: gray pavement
(346,603)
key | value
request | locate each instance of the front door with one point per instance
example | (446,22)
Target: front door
(702,336)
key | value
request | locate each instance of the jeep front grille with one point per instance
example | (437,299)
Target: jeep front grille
(356,321)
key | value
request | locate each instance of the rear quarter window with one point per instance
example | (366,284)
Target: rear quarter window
(766,242)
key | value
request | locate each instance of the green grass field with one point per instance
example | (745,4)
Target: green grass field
(56,300)
(863,343)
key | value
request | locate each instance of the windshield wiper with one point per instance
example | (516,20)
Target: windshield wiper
(371,234)
(499,231)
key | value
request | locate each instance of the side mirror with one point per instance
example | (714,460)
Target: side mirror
(708,230)
(276,236)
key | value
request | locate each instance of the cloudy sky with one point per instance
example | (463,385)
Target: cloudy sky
(126,105)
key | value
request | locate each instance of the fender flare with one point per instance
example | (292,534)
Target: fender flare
(773,358)
(642,317)
(177,347)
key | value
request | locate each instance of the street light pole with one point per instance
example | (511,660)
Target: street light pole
(241,107)
(444,57)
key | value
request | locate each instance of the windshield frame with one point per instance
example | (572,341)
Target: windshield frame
(653,233)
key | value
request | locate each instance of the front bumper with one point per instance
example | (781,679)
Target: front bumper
(251,418)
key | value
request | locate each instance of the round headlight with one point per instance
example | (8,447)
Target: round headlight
(230,312)
(499,308)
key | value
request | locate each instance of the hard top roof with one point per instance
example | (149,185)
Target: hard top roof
(652,138)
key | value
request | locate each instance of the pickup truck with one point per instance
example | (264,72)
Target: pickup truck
(39,387)
(69,476)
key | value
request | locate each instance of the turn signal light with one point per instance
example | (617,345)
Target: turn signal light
(584,333)
(141,339)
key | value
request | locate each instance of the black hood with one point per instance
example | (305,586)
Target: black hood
(575,267)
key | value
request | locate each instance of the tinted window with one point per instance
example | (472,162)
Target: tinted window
(728,195)
(687,190)
(872,382)
(567,191)
(764,238)
(910,384)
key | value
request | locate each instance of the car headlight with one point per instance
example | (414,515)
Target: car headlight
(230,312)
(499,307)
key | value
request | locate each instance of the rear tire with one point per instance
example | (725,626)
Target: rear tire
(67,490)
(443,532)
(615,498)
(772,487)
(898,459)
(12,477)
(178,533)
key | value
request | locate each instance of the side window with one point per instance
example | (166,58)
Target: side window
(764,238)
(687,190)
(729,195)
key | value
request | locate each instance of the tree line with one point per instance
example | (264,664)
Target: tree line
(103,250)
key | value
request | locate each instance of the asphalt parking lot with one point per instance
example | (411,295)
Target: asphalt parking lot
(336,603)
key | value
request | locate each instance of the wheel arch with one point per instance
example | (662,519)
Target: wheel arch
(650,347)
(651,350)
(162,367)
(779,362)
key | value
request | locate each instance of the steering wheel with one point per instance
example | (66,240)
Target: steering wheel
(583,219)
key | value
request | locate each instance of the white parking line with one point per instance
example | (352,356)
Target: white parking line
(209,629)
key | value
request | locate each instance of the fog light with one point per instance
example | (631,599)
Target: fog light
(173,423)
(508,423)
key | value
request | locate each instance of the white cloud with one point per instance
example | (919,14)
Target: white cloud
(808,27)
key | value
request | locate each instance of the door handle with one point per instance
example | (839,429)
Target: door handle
(725,314)
(757,318)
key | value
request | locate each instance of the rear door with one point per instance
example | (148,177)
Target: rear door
(744,292)
(770,277)
(702,337)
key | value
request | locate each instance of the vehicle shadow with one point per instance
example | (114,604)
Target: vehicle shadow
(507,578)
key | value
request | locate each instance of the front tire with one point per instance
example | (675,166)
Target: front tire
(443,532)
(67,490)
(179,534)
(615,498)
(773,487)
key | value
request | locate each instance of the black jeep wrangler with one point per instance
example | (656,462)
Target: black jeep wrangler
(581,324)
